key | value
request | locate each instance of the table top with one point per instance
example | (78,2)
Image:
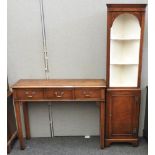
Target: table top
(59,83)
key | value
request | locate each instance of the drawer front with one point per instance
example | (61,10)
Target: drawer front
(89,93)
(29,94)
(59,94)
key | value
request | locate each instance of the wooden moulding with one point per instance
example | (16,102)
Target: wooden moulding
(126,7)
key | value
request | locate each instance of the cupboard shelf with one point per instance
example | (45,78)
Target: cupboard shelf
(123,64)
(126,52)
(125,39)
(123,75)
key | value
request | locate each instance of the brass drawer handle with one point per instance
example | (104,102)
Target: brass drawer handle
(87,94)
(26,92)
(29,96)
(33,92)
(59,94)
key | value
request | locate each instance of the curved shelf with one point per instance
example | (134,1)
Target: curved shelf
(123,75)
(125,39)
(123,63)
(124,52)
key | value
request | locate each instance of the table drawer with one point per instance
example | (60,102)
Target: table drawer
(89,93)
(29,94)
(59,94)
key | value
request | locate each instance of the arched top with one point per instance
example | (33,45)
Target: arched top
(125,26)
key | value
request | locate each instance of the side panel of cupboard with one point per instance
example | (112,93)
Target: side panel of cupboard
(122,115)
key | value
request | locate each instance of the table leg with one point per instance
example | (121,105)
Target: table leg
(102,122)
(19,125)
(26,120)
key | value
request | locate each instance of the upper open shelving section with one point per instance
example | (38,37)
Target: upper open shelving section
(125,29)
(124,51)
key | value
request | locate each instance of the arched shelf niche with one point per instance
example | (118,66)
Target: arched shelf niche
(125,26)
(124,51)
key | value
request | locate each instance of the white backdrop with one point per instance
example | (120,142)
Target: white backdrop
(76,42)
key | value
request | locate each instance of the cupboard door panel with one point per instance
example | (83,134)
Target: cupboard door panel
(122,118)
(122,113)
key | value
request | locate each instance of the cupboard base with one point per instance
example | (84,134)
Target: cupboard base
(134,142)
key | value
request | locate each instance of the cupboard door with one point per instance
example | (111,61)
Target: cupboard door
(122,113)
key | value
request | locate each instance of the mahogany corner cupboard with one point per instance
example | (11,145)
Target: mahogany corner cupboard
(125,32)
